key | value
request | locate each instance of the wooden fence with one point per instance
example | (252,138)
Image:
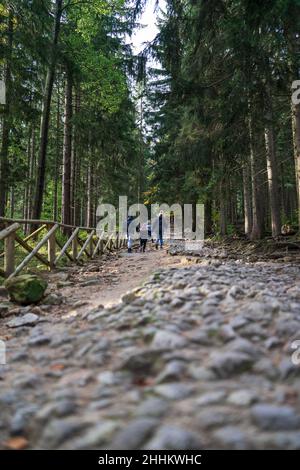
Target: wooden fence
(74,248)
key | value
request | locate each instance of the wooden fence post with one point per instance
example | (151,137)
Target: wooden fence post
(9,257)
(75,247)
(91,251)
(51,249)
(65,247)
(86,243)
(8,234)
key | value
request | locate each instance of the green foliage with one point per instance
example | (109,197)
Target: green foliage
(106,142)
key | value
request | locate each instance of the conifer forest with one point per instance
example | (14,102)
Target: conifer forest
(149,232)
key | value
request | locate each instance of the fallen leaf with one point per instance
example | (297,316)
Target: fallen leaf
(57,366)
(16,443)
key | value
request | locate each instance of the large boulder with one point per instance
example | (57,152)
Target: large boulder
(26,289)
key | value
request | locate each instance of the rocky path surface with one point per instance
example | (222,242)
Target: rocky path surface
(199,357)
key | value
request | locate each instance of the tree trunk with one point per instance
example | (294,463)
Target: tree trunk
(208,216)
(78,205)
(67,155)
(76,166)
(73,178)
(74,163)
(4,164)
(44,131)
(96,197)
(223,211)
(32,168)
(247,201)
(27,182)
(272,170)
(256,231)
(12,202)
(89,195)
(57,158)
(296,141)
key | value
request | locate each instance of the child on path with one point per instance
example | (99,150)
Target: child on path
(144,235)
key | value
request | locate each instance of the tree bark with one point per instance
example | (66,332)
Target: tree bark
(12,202)
(4,164)
(74,161)
(89,195)
(27,182)
(32,168)
(57,158)
(296,142)
(67,155)
(256,230)
(208,216)
(76,164)
(44,130)
(223,211)
(272,171)
(247,201)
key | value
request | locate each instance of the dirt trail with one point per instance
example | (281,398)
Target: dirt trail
(105,280)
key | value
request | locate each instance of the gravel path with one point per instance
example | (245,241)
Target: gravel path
(197,358)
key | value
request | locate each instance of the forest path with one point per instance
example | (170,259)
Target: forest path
(199,357)
(106,279)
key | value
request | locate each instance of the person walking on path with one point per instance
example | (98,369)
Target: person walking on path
(144,235)
(149,231)
(130,218)
(159,239)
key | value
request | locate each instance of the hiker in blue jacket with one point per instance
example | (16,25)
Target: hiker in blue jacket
(159,231)
(149,230)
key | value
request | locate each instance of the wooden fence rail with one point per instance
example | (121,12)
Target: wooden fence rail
(93,245)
